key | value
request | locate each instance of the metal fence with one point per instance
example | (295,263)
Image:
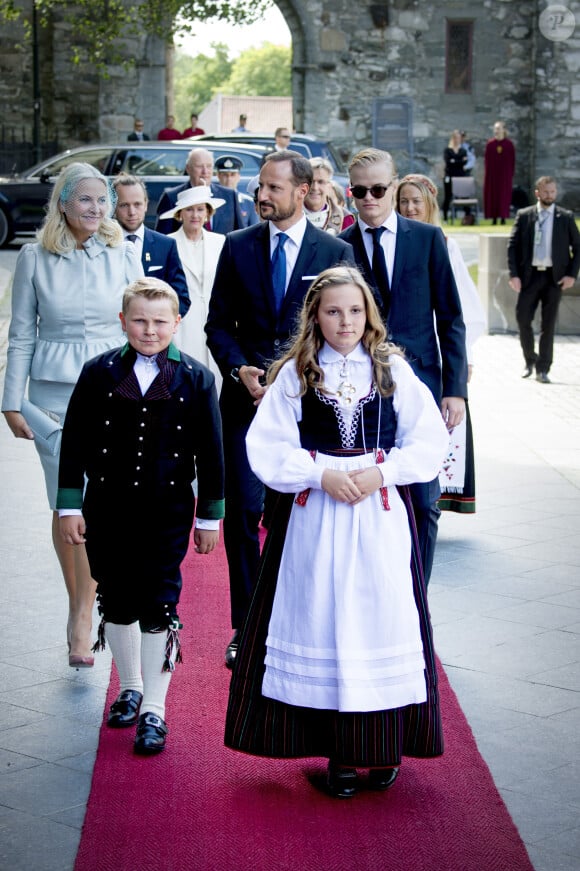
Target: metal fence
(17,152)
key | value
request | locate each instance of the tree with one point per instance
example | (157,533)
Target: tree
(102,26)
(261,72)
(196,79)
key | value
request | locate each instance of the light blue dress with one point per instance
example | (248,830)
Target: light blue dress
(65,310)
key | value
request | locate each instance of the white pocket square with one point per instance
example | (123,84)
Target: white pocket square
(309,277)
(154,268)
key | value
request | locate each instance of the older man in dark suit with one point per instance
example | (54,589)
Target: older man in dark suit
(407,265)
(159,255)
(199,167)
(262,277)
(543,260)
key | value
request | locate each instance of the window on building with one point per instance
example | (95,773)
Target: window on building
(458,57)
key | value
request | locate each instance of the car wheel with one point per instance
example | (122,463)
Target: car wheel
(6,233)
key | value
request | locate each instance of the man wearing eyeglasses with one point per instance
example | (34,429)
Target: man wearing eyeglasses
(281,138)
(407,266)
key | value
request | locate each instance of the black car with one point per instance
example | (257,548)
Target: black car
(303,143)
(23,197)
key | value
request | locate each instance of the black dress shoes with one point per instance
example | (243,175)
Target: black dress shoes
(382,778)
(151,734)
(340,782)
(542,377)
(232,650)
(125,709)
(527,371)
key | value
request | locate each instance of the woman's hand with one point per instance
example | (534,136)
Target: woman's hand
(367,480)
(340,486)
(18,425)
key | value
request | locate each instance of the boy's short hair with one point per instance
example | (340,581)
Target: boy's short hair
(150,288)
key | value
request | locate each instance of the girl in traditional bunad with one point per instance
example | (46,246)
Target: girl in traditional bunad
(336,657)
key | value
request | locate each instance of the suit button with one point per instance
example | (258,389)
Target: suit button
(276,343)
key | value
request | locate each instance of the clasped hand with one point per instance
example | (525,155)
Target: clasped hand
(351,487)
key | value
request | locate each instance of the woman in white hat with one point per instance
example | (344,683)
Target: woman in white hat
(199,250)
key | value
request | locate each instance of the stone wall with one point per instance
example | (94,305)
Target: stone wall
(344,58)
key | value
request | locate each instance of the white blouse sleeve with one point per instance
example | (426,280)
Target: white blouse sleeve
(421,440)
(273,440)
(471,307)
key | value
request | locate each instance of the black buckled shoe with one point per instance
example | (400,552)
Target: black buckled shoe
(125,709)
(341,782)
(382,778)
(232,650)
(150,735)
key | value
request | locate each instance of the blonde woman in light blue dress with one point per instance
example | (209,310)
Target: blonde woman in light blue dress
(66,298)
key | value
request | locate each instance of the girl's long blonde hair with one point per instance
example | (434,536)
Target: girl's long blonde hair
(55,234)
(309,339)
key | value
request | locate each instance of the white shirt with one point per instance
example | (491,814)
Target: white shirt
(388,242)
(547,231)
(295,235)
(138,243)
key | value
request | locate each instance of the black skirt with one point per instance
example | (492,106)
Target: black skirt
(266,727)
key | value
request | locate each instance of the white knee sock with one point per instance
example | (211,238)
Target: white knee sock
(155,680)
(125,644)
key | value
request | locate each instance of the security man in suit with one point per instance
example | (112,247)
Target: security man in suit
(407,266)
(159,254)
(228,168)
(543,261)
(138,134)
(199,167)
(252,313)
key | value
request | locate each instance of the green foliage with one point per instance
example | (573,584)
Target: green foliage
(102,26)
(261,72)
(196,79)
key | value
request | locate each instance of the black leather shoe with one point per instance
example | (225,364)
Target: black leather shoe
(232,650)
(341,782)
(125,709)
(542,377)
(151,733)
(382,778)
(527,371)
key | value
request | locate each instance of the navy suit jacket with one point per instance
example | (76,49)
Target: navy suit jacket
(160,259)
(565,245)
(422,285)
(242,326)
(225,219)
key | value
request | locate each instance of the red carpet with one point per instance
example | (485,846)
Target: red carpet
(200,807)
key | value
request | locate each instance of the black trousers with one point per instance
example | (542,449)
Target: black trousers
(424,499)
(541,289)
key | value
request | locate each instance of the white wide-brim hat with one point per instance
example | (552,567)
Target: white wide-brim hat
(194,196)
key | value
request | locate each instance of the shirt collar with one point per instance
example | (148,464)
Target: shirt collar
(295,232)
(390,223)
(139,232)
(329,355)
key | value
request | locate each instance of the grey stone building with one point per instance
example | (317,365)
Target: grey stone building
(399,74)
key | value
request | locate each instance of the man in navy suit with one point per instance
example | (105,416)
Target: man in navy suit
(199,167)
(407,265)
(543,260)
(159,254)
(246,329)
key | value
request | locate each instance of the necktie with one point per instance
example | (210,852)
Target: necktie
(279,271)
(379,267)
(541,241)
(132,237)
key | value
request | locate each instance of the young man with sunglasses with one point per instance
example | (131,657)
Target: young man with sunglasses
(407,266)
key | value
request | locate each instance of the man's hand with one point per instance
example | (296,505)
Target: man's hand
(567,282)
(452,410)
(205,540)
(72,529)
(515,283)
(250,378)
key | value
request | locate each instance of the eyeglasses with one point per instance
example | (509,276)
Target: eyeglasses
(284,136)
(359,191)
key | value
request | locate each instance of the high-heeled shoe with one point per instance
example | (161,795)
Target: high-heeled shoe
(76,661)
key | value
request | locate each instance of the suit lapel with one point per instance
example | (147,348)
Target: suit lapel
(401,251)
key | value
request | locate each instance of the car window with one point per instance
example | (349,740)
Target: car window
(152,161)
(97,157)
(251,163)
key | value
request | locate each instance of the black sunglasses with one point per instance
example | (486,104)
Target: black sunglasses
(359,191)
